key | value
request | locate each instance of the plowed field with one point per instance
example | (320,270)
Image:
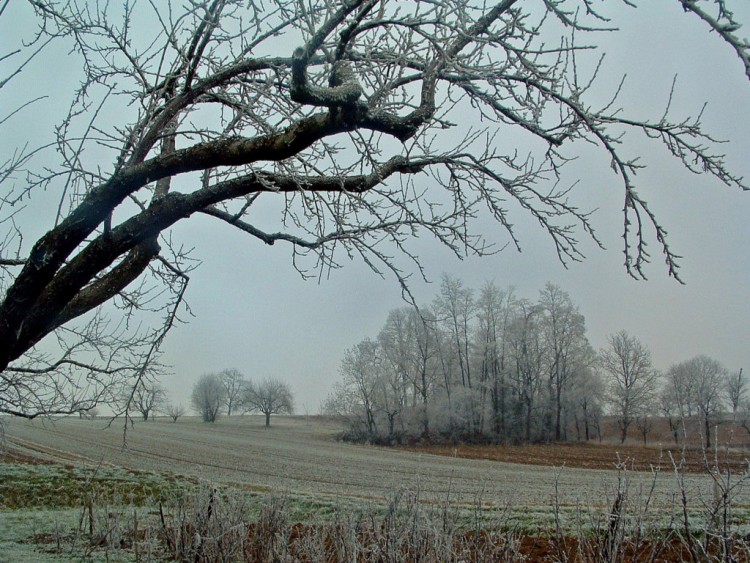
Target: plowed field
(302,456)
(601,456)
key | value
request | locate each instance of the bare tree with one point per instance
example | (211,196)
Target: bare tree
(147,399)
(645,422)
(361,373)
(270,396)
(175,411)
(646,416)
(711,376)
(407,347)
(632,378)
(705,379)
(670,409)
(527,352)
(208,397)
(681,389)
(234,383)
(455,308)
(494,313)
(396,351)
(587,398)
(567,350)
(344,135)
(736,390)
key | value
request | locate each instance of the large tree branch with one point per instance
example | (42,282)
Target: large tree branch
(51,250)
(345,89)
(12,262)
(106,287)
(341,234)
(426,109)
(51,311)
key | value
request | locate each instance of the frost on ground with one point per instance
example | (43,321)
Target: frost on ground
(102,487)
(301,456)
(58,535)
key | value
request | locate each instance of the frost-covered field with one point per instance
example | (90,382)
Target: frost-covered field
(301,456)
(108,499)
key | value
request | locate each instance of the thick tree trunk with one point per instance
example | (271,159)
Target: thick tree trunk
(624,430)
(528,421)
(558,412)
(707,427)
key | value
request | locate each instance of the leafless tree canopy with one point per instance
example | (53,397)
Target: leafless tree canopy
(482,367)
(234,383)
(337,128)
(696,387)
(492,366)
(208,397)
(175,411)
(269,396)
(147,399)
(632,379)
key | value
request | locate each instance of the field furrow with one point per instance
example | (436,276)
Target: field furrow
(301,456)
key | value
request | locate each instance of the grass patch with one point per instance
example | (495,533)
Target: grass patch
(49,535)
(24,485)
(52,512)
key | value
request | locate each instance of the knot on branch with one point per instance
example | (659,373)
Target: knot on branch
(343,87)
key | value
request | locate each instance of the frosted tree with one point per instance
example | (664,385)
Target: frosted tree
(268,396)
(631,377)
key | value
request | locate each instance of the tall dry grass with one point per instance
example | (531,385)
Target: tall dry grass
(213,525)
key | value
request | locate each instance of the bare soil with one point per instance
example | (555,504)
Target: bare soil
(489,546)
(597,456)
(13,456)
(588,455)
(660,451)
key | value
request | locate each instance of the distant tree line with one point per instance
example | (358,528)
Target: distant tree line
(213,395)
(489,365)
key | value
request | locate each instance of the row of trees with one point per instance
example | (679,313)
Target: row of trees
(229,391)
(490,365)
(214,394)
(473,364)
(699,389)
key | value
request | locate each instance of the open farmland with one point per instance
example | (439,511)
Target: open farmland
(72,490)
(300,456)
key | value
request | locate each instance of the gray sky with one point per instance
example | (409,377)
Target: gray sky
(253,312)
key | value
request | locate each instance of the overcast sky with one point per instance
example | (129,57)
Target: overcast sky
(252,311)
